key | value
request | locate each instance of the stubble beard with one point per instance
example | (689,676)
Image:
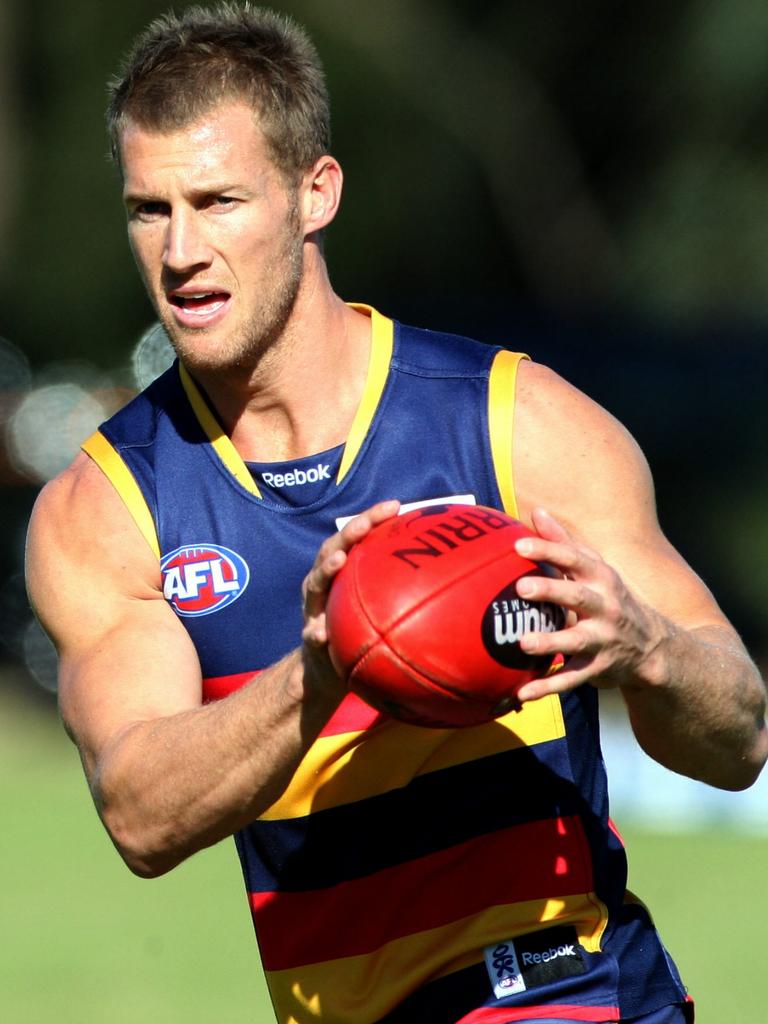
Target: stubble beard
(243,350)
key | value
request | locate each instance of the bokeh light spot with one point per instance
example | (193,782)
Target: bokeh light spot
(40,656)
(152,356)
(48,427)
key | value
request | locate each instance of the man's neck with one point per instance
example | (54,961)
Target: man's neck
(303,395)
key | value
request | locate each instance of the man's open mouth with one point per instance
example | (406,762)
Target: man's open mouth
(199,303)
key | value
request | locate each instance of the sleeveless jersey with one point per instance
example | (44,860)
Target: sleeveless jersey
(406,874)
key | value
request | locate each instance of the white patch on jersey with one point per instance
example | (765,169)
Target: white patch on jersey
(451,499)
(503,969)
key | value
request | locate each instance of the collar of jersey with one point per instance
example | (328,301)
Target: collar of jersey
(382,340)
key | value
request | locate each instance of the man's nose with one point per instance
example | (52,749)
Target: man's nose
(186,246)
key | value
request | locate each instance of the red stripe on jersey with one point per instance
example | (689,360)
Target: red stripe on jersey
(293,927)
(352,715)
(216,687)
(614,828)
(562,1012)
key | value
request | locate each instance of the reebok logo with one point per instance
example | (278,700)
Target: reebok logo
(297,477)
(530,961)
(549,954)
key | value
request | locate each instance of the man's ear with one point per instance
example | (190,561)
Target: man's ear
(320,192)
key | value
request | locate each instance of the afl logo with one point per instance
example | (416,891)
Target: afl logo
(202,578)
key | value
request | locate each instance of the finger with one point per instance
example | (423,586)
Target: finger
(571,594)
(357,528)
(583,640)
(572,559)
(333,555)
(574,674)
(547,526)
(362,524)
(327,562)
(318,580)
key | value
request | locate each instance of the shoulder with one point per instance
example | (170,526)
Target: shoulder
(79,499)
(572,456)
(551,404)
(76,494)
(83,546)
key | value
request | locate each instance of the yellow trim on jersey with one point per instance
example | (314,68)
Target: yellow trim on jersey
(501,411)
(351,988)
(382,343)
(346,767)
(220,443)
(111,463)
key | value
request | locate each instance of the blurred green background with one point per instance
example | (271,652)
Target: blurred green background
(585,182)
(84,942)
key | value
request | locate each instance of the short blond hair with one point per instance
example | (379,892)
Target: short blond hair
(183,65)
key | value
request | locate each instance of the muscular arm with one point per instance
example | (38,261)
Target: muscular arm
(642,621)
(169,776)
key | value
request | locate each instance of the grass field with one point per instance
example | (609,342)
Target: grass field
(84,942)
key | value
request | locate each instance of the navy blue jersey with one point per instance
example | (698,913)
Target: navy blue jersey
(406,874)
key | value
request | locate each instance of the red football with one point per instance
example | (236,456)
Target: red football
(424,618)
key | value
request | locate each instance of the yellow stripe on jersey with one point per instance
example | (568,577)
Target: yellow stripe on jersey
(382,342)
(220,443)
(501,411)
(343,768)
(111,463)
(352,989)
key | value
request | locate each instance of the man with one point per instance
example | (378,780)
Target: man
(183,561)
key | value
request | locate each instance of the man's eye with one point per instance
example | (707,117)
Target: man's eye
(149,210)
(222,202)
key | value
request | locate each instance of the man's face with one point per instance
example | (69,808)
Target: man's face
(216,234)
